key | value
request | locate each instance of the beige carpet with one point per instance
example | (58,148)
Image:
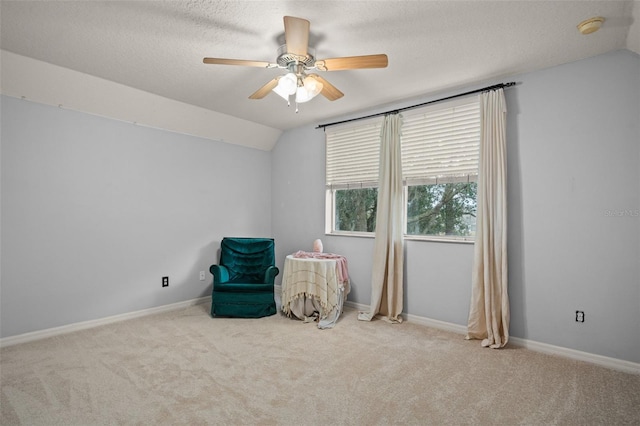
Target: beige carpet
(183,367)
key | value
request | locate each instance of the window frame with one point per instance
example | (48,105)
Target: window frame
(331,231)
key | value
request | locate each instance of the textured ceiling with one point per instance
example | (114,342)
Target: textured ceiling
(432,45)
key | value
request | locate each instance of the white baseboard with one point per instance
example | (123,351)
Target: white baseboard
(355,306)
(604,361)
(608,362)
(441,325)
(612,363)
(55,331)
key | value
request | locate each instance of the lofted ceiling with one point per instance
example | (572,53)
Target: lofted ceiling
(158,46)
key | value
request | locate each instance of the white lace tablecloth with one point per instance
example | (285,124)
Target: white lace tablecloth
(313,286)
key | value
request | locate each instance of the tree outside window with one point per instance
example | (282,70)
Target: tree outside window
(356,209)
(442,209)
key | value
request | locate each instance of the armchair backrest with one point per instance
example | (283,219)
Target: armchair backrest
(247,259)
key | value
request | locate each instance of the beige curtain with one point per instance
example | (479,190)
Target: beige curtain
(388,256)
(489,311)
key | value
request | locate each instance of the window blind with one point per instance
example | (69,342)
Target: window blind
(353,154)
(440,143)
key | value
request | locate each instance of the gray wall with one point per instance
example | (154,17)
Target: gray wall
(573,161)
(95,211)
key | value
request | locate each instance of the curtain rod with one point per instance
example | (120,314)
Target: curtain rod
(396,111)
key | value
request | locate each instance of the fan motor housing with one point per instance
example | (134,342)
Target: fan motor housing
(285,58)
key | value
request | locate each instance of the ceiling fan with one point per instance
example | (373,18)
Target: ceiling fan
(298,58)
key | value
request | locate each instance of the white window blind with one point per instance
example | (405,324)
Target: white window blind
(440,143)
(353,153)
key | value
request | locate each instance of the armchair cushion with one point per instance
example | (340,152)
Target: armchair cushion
(247,258)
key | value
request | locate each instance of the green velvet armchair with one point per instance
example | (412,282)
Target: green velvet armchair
(243,280)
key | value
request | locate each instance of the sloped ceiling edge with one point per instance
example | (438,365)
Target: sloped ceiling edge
(41,82)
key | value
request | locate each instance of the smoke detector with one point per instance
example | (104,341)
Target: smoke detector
(590,25)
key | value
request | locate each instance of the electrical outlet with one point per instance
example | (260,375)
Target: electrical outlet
(202,277)
(579,316)
(165,281)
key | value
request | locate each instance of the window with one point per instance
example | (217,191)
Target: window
(353,154)
(440,146)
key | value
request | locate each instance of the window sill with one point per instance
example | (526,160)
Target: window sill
(351,234)
(427,238)
(445,239)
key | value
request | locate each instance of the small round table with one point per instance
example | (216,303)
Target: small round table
(311,285)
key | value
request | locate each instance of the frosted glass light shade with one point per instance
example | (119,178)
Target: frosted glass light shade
(309,90)
(288,83)
(282,93)
(287,86)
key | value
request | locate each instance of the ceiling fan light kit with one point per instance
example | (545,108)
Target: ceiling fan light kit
(298,83)
(297,58)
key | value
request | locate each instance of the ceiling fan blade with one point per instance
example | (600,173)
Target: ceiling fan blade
(329,91)
(353,62)
(221,61)
(296,35)
(264,90)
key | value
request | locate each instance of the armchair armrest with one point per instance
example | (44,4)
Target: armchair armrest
(220,273)
(270,274)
